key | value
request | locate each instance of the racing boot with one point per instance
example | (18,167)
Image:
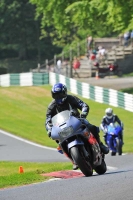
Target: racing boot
(103,148)
(59,149)
(95,131)
(75,167)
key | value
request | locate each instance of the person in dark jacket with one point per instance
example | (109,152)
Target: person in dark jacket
(110,118)
(62,101)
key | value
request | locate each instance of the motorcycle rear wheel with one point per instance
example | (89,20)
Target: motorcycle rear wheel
(113,153)
(78,156)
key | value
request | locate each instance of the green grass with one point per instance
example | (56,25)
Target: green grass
(10,176)
(128,75)
(22,113)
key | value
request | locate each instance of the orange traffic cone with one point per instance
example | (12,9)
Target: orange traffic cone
(97,75)
(21,170)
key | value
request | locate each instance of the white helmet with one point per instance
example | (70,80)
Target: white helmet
(109,113)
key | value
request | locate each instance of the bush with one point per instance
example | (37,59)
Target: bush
(3,70)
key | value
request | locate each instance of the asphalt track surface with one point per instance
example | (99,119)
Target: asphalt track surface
(116,183)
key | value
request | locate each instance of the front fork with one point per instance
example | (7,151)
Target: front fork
(76,142)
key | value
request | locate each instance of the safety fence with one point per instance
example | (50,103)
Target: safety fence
(102,95)
(24,79)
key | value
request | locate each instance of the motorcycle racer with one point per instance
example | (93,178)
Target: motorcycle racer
(62,101)
(110,118)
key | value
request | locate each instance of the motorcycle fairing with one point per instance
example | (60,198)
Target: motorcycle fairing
(111,142)
(72,122)
(113,134)
(114,130)
(75,142)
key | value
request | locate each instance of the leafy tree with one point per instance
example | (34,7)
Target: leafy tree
(20,32)
(70,18)
(29,27)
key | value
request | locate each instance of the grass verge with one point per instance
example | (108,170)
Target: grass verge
(23,111)
(10,176)
(127,90)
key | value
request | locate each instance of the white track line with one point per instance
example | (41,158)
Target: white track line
(111,168)
(31,143)
(26,141)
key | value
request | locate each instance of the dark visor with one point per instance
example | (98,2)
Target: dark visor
(58,95)
(109,114)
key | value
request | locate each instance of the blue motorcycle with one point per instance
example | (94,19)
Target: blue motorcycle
(78,143)
(113,138)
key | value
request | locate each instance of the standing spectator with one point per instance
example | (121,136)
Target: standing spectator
(92,58)
(93,55)
(76,63)
(59,66)
(102,52)
(126,38)
(89,42)
(131,35)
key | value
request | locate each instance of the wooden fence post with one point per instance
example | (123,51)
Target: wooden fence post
(47,66)
(71,67)
(62,56)
(78,49)
(38,67)
(54,60)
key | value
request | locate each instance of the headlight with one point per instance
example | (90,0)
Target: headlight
(66,132)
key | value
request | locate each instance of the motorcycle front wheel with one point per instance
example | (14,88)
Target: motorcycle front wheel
(101,169)
(78,156)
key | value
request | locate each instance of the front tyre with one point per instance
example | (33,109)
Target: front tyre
(101,169)
(113,153)
(119,146)
(78,156)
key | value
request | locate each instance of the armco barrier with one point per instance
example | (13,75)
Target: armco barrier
(96,93)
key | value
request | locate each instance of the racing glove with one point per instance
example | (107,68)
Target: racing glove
(105,130)
(83,115)
(84,112)
(73,113)
(49,133)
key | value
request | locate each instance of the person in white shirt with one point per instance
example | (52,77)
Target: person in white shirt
(59,66)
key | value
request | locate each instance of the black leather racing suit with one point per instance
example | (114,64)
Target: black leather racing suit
(71,103)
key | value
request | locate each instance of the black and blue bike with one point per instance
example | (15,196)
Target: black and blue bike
(113,138)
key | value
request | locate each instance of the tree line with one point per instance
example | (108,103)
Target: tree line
(20,35)
(38,29)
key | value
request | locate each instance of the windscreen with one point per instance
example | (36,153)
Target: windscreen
(60,118)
